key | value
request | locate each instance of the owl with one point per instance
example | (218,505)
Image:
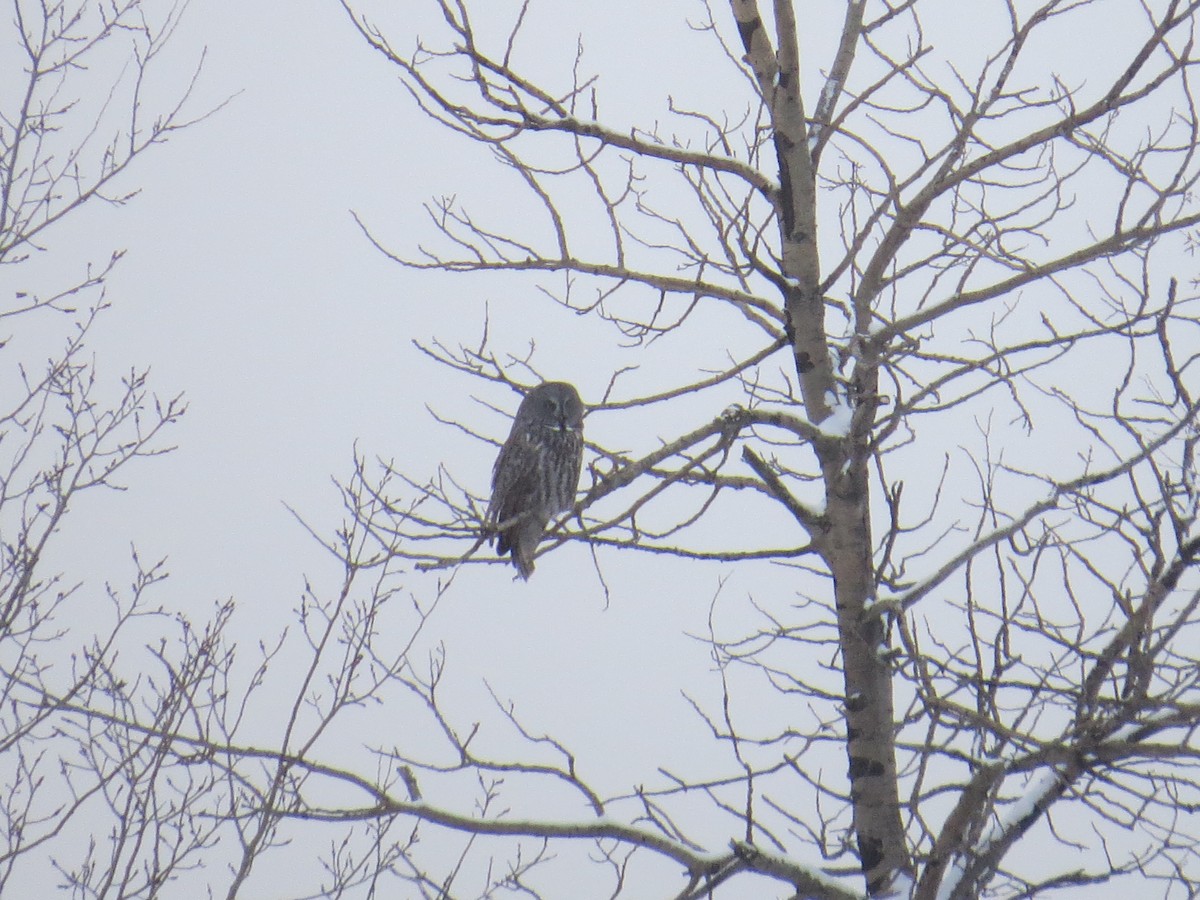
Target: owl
(537,471)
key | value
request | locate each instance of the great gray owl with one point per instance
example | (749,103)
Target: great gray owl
(537,471)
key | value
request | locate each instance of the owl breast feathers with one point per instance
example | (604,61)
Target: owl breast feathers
(537,471)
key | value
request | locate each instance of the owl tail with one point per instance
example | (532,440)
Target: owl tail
(522,539)
(523,561)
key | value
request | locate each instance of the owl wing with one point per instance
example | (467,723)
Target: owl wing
(513,479)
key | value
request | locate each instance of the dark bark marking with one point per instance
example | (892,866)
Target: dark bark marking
(865,767)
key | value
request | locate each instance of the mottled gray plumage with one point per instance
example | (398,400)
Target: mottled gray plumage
(537,471)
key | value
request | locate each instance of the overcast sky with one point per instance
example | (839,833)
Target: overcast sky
(248,287)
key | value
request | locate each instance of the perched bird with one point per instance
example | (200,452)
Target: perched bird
(537,471)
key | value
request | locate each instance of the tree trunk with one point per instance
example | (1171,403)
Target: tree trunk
(846,546)
(866,673)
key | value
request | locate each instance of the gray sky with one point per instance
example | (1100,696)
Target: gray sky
(248,286)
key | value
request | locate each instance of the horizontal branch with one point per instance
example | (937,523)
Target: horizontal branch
(906,599)
(659,282)
(728,424)
(698,863)
(1117,243)
(657,150)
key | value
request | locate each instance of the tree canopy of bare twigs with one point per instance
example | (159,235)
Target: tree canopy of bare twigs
(905,294)
(88,801)
(968,251)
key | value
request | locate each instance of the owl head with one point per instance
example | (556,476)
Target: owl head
(554,405)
